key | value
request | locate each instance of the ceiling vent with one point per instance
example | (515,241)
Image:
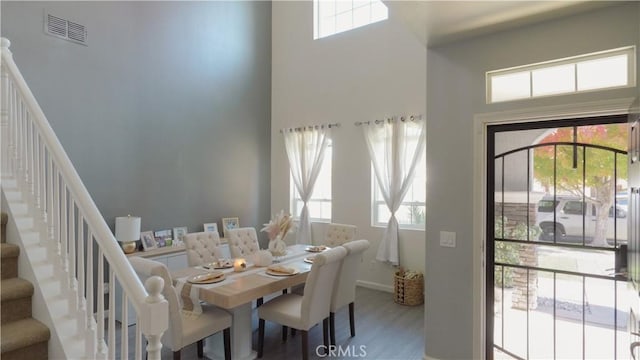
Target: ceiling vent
(65,29)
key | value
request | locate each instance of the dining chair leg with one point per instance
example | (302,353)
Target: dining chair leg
(305,344)
(284,291)
(332,327)
(260,337)
(325,333)
(352,319)
(176,355)
(226,334)
(200,347)
(285,332)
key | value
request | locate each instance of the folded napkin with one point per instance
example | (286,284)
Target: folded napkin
(282,269)
(190,299)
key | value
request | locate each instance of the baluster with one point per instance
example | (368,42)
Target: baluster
(112,316)
(43,183)
(73,303)
(138,355)
(19,172)
(100,306)
(56,210)
(29,153)
(4,92)
(124,334)
(14,120)
(36,172)
(50,212)
(63,228)
(81,271)
(23,146)
(91,324)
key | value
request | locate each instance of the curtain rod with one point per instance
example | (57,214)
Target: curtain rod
(310,127)
(390,120)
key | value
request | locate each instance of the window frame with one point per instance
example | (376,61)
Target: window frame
(294,197)
(375,202)
(317,20)
(630,51)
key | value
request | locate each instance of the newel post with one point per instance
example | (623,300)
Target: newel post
(154,317)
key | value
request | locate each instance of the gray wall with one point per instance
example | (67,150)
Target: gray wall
(455,92)
(166,112)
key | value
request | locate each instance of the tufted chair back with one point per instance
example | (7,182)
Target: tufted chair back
(202,247)
(243,242)
(338,234)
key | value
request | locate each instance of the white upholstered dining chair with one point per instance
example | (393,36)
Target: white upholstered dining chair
(183,330)
(302,312)
(243,242)
(338,234)
(202,247)
(344,290)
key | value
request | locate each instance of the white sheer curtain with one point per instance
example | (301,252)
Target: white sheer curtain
(305,150)
(395,147)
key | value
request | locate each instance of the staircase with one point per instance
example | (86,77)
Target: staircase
(22,336)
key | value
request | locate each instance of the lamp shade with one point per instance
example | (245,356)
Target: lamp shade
(127,228)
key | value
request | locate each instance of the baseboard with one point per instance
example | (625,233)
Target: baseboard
(375,286)
(427,357)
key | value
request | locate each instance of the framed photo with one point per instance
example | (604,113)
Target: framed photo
(148,241)
(179,232)
(229,223)
(211,227)
(162,236)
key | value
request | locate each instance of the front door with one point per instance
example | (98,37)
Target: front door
(558,291)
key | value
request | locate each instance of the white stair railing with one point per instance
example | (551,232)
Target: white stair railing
(73,228)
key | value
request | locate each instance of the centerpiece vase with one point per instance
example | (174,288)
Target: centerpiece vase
(278,248)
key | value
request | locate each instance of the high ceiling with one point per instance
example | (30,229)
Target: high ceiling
(440,22)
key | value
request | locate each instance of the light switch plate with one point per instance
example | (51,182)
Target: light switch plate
(447,239)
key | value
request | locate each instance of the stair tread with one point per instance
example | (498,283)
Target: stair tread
(22,333)
(15,288)
(9,250)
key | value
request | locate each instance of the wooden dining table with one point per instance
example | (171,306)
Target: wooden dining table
(237,292)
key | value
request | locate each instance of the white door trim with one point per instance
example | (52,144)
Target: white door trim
(481,122)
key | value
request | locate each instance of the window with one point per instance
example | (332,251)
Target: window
(335,16)
(603,70)
(411,213)
(320,203)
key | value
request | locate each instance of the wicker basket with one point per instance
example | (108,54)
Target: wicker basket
(408,291)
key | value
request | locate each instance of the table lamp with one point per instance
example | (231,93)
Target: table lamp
(128,232)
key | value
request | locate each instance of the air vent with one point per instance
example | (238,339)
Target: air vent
(65,29)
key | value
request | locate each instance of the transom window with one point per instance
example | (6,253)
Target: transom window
(320,203)
(603,70)
(335,16)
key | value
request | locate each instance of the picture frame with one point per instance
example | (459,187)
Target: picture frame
(162,236)
(211,227)
(229,223)
(179,232)
(148,240)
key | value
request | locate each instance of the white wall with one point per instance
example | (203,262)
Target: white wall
(456,92)
(364,74)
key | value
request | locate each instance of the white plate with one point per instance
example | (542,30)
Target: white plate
(217,265)
(320,248)
(210,278)
(270,272)
(309,259)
